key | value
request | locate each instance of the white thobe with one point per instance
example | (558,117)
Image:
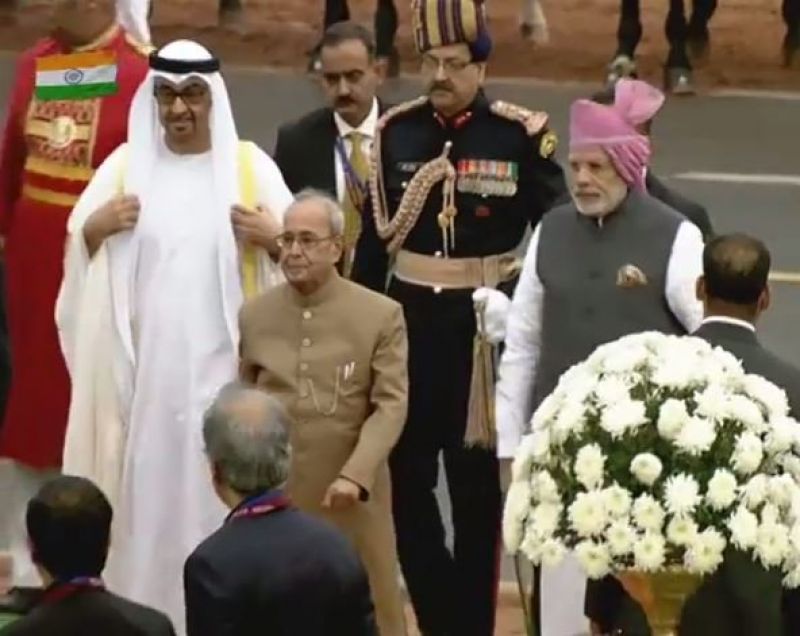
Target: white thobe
(563,587)
(184,352)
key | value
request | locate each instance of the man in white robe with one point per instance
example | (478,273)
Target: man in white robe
(170,236)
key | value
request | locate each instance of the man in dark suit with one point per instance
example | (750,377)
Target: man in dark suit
(270,569)
(69,524)
(329,148)
(692,210)
(741,598)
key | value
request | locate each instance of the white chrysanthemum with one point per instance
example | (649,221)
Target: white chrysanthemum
(681,494)
(611,390)
(587,514)
(743,525)
(780,490)
(531,545)
(672,417)
(697,436)
(648,513)
(617,500)
(589,466)
(571,420)
(674,369)
(545,519)
(722,488)
(546,413)
(649,552)
(544,488)
(770,514)
(771,396)
(647,468)
(627,359)
(755,491)
(523,460)
(621,536)
(553,552)
(712,402)
(746,411)
(791,464)
(681,530)
(623,416)
(540,447)
(729,363)
(772,544)
(782,435)
(704,553)
(747,454)
(794,537)
(594,558)
(517,504)
(792,580)
(577,383)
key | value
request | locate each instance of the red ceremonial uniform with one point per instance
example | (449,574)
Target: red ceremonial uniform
(50,151)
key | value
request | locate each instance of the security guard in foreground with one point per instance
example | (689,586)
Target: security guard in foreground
(456,180)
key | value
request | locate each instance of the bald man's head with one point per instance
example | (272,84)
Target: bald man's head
(246,436)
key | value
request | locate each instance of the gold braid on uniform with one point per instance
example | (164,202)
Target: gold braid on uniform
(396,229)
(533,121)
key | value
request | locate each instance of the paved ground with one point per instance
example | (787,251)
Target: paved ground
(736,154)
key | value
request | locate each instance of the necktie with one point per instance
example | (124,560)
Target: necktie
(353,198)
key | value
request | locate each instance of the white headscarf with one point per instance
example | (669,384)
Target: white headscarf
(145,146)
(132,15)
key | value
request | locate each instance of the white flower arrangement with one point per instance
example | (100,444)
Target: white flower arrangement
(658,452)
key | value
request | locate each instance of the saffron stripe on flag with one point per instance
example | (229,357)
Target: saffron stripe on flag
(75,60)
(78,91)
(75,76)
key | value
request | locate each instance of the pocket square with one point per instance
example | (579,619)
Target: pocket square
(630,276)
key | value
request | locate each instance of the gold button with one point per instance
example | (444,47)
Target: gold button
(306,315)
(304,366)
(437,290)
(306,342)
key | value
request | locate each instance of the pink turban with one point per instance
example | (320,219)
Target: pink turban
(613,128)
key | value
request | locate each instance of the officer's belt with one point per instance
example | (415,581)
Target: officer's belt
(456,273)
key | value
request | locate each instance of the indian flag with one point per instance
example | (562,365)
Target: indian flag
(76,75)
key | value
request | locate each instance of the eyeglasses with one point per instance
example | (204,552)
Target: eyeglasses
(450,65)
(192,95)
(305,240)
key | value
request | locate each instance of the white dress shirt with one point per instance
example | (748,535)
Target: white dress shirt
(517,372)
(366,129)
(730,321)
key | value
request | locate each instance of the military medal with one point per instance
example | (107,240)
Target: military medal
(487,177)
(548,145)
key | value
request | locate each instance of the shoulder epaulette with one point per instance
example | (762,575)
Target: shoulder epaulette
(533,121)
(141,48)
(400,109)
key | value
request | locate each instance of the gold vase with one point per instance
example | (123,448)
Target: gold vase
(661,595)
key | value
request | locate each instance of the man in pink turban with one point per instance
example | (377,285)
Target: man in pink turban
(640,103)
(612,262)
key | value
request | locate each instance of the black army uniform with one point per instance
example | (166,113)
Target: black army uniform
(452,200)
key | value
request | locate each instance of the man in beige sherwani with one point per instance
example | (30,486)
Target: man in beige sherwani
(335,354)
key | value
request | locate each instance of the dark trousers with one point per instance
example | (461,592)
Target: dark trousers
(791,18)
(677,28)
(385,22)
(452,593)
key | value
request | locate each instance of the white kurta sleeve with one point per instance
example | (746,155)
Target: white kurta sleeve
(684,268)
(517,372)
(272,191)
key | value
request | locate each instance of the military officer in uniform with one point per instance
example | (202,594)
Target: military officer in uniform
(457,178)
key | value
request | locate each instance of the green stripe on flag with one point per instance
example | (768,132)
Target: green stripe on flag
(80,91)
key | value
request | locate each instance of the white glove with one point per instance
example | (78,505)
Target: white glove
(497,306)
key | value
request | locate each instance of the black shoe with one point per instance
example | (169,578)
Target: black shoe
(678,81)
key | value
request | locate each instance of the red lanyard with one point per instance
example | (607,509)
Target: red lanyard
(58,591)
(260,505)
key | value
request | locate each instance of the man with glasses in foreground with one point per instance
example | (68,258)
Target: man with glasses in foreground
(164,245)
(457,180)
(334,353)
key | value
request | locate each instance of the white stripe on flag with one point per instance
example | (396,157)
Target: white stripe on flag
(78,77)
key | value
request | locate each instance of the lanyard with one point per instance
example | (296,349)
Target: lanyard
(356,188)
(61,590)
(260,505)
